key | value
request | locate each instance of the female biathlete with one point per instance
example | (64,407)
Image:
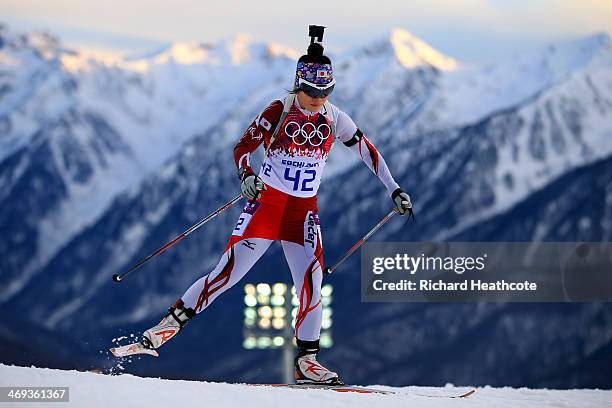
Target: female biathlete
(297,134)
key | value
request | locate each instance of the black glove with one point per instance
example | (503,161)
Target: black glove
(402,203)
(251,183)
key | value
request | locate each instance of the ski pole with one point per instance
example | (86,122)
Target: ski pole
(119,278)
(386,218)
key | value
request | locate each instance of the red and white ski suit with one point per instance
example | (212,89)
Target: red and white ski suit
(287,210)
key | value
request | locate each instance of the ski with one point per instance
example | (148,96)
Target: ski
(464,395)
(363,390)
(132,349)
(337,388)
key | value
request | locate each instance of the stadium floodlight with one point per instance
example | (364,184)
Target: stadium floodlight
(278,323)
(249,289)
(265,312)
(326,341)
(279,289)
(263,289)
(279,312)
(264,323)
(264,342)
(249,342)
(277,300)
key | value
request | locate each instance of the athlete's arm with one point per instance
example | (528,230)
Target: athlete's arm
(259,131)
(353,138)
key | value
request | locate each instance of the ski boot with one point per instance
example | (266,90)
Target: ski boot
(169,326)
(308,370)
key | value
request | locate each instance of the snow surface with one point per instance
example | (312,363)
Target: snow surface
(97,390)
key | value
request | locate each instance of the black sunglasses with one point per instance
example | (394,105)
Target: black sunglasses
(316,92)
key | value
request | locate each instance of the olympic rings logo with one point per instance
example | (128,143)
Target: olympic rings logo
(300,134)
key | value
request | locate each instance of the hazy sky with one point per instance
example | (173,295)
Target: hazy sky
(470,30)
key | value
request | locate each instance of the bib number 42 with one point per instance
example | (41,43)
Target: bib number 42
(301,178)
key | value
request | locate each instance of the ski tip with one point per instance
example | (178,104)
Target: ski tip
(464,395)
(116,278)
(467,394)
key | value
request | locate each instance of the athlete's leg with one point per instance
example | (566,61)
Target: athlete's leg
(237,260)
(306,271)
(306,264)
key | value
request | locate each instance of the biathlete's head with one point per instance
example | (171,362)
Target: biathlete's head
(314,79)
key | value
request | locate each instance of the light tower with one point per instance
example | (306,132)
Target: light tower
(269,320)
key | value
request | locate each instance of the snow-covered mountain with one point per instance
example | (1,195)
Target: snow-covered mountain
(101,162)
(89,131)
